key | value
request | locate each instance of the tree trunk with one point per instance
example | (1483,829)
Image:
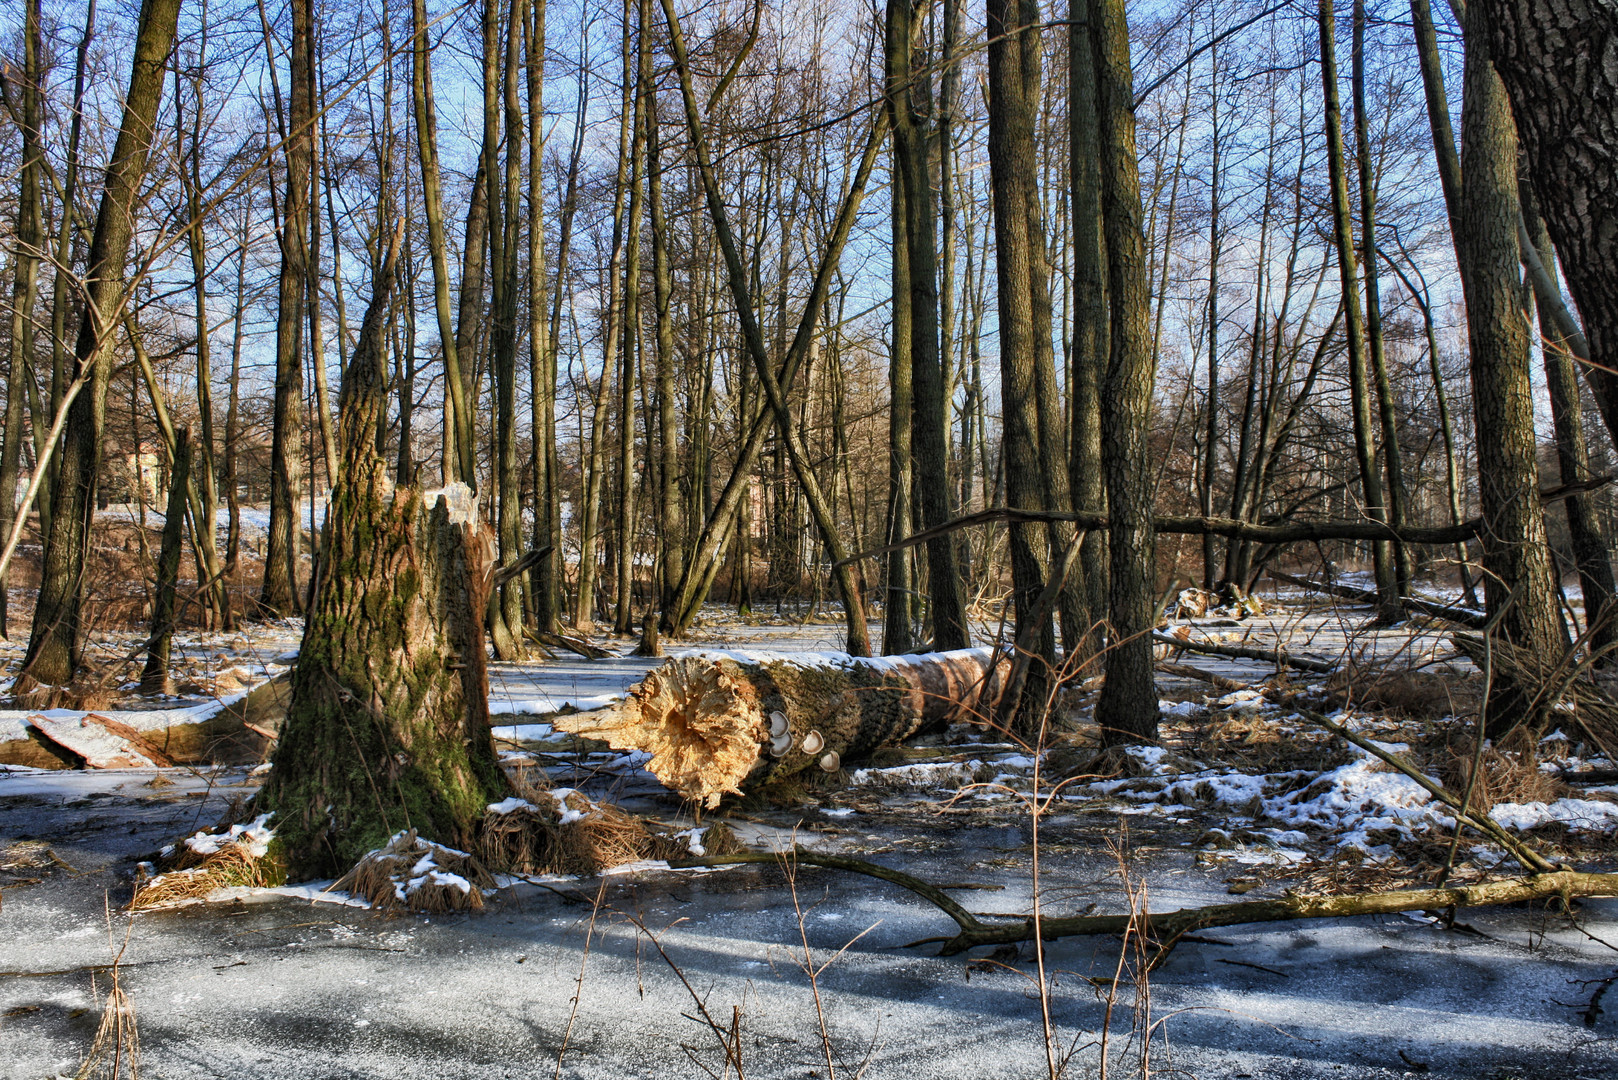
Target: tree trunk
(1389,609)
(584,610)
(1127,710)
(279,595)
(54,647)
(896,630)
(204,536)
(543,589)
(459,458)
(1013,170)
(718,727)
(1590,553)
(1088,356)
(25,275)
(630,352)
(1518,584)
(388,725)
(1392,460)
(1554,57)
(154,679)
(908,102)
(670,518)
(850,585)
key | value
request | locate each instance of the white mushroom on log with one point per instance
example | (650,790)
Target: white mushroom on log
(721,724)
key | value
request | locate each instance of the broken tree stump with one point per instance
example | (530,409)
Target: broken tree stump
(723,724)
(388,725)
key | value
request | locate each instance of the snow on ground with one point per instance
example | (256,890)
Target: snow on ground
(266,985)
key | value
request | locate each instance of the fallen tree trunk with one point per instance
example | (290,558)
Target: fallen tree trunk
(1464,616)
(718,725)
(1168,926)
(1246,652)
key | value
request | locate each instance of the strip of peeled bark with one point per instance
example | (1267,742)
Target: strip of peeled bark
(719,724)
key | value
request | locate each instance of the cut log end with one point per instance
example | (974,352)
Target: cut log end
(699,719)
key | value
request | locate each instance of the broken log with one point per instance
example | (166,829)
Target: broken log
(726,723)
(1277,657)
(1463,616)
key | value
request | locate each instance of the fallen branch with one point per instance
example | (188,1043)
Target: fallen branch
(504,574)
(1186,671)
(575,645)
(1167,927)
(1172,926)
(1463,616)
(1551,684)
(1247,652)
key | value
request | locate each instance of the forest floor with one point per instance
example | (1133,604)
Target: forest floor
(562,976)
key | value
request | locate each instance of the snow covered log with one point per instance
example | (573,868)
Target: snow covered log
(723,723)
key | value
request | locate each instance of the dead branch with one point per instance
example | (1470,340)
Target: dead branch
(1186,671)
(1289,532)
(1278,657)
(1463,616)
(1520,851)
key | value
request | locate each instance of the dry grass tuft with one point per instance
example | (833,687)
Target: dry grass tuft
(564,832)
(209,861)
(418,875)
(560,832)
(1414,695)
(1505,777)
(702,842)
(115,1053)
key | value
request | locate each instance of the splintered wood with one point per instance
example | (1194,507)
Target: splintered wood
(718,725)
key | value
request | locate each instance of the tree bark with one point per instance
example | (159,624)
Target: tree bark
(54,647)
(1555,58)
